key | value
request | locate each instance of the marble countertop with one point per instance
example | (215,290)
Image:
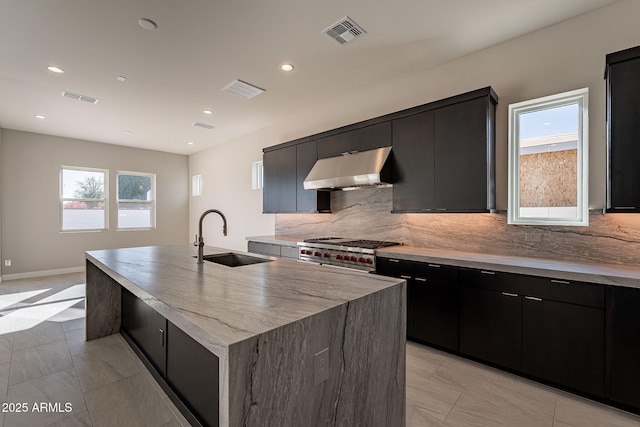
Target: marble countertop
(276,240)
(605,274)
(231,304)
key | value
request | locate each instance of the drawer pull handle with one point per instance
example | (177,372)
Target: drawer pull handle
(487,272)
(509,294)
(421,279)
(534,299)
(393,260)
(624,207)
(562,282)
(402,276)
(433,265)
(161,336)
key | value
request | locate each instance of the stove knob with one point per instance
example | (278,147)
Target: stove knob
(354,259)
(316,254)
(368,261)
(339,257)
(360,259)
(302,252)
(326,255)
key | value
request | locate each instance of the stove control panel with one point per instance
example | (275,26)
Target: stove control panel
(344,257)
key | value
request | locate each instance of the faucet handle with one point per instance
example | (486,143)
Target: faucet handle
(195,242)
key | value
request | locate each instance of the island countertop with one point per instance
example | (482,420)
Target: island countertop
(232,303)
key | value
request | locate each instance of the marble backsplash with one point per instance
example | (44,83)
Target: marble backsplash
(366,214)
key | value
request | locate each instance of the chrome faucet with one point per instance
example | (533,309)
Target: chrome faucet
(199,242)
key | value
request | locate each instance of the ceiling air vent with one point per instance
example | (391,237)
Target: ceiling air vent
(203,125)
(77,97)
(344,31)
(243,89)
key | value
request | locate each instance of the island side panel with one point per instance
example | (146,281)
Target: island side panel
(272,376)
(103,303)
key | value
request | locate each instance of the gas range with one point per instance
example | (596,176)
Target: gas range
(350,253)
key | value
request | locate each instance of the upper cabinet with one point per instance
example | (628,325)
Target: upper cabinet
(623,130)
(444,156)
(360,139)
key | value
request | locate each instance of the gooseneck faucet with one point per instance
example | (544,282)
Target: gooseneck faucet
(199,240)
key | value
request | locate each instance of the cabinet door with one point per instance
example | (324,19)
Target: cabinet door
(308,200)
(623,99)
(461,157)
(370,137)
(263,248)
(413,162)
(491,326)
(624,344)
(193,372)
(147,328)
(271,181)
(564,343)
(287,188)
(435,307)
(332,146)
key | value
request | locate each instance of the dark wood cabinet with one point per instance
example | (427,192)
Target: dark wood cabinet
(147,328)
(444,157)
(284,172)
(490,318)
(432,300)
(359,139)
(564,343)
(193,373)
(413,160)
(623,130)
(623,343)
(309,200)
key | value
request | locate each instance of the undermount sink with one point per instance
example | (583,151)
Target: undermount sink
(234,260)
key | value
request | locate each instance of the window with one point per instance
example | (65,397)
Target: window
(83,199)
(136,200)
(196,185)
(548,160)
(257,175)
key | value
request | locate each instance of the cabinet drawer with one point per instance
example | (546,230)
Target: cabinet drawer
(388,266)
(289,252)
(491,280)
(264,248)
(580,293)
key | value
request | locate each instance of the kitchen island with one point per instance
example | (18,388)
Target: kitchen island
(296,343)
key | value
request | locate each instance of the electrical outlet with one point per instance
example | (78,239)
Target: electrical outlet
(321,366)
(532,237)
(7,263)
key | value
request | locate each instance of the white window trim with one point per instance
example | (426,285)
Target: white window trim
(581,97)
(152,202)
(63,199)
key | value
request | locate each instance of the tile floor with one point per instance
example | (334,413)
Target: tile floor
(45,360)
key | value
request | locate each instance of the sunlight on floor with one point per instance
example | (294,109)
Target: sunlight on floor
(20,316)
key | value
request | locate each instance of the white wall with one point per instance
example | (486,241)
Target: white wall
(30,166)
(559,58)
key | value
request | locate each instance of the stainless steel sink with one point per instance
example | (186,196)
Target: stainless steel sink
(231,259)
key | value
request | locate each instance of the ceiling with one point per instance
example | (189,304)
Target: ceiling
(176,71)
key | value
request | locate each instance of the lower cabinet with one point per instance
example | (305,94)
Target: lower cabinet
(491,326)
(271,249)
(564,343)
(147,328)
(623,342)
(182,365)
(192,371)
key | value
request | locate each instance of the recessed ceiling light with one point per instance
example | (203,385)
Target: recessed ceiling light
(38,116)
(287,67)
(128,132)
(121,79)
(190,142)
(55,69)
(207,111)
(147,24)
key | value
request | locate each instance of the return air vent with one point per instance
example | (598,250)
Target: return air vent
(344,31)
(203,125)
(77,97)
(243,89)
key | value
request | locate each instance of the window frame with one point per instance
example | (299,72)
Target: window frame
(104,200)
(581,98)
(151,202)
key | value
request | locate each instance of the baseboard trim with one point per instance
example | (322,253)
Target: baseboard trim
(42,273)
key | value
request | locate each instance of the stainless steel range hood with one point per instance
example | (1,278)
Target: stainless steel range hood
(349,171)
